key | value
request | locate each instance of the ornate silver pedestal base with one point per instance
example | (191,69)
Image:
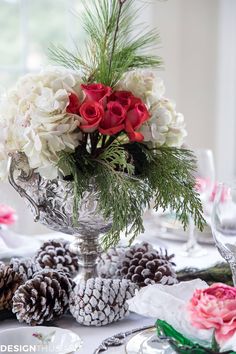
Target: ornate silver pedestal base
(52,203)
(88,250)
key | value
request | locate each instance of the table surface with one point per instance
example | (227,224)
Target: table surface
(93,336)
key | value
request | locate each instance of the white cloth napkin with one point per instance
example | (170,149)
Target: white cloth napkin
(168,303)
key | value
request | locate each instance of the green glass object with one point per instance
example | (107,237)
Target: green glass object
(184,345)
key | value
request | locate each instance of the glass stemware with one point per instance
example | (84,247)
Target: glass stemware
(205,181)
(224,224)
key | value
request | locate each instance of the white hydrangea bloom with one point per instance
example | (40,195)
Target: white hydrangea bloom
(143,84)
(165,126)
(35,119)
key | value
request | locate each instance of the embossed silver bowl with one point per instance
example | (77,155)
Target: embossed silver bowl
(52,204)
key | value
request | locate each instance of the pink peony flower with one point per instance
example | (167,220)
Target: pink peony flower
(215,307)
(7,215)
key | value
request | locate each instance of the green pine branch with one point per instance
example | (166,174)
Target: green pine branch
(112,47)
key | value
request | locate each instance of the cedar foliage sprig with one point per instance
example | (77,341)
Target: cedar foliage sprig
(163,175)
(112,49)
(169,172)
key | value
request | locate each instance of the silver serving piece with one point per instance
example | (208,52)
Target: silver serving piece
(52,204)
(118,339)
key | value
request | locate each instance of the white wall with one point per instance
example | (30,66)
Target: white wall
(199,50)
(189,32)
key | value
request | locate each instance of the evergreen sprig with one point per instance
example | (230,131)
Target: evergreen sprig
(128,177)
(126,193)
(169,172)
(112,48)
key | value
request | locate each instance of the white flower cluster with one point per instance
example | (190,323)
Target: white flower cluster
(165,126)
(33,119)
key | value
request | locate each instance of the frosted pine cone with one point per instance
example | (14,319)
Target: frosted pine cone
(26,267)
(9,282)
(110,261)
(43,298)
(55,254)
(144,265)
(98,301)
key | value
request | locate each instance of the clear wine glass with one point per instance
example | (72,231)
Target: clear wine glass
(205,181)
(224,224)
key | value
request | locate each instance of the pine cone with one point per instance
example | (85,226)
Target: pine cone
(110,261)
(43,298)
(9,282)
(144,265)
(25,267)
(98,301)
(55,254)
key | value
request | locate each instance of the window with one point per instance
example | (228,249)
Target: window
(28,27)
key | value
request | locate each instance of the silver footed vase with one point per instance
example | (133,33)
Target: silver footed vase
(52,201)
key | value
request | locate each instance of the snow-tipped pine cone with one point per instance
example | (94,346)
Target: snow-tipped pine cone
(26,267)
(110,261)
(43,298)
(98,302)
(56,254)
(143,265)
(9,283)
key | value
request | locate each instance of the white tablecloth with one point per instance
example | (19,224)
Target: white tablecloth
(92,337)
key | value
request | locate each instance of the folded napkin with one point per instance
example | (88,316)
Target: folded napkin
(168,303)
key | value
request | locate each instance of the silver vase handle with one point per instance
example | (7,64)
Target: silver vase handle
(16,159)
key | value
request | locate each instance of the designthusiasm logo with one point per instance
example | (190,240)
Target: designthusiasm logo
(44,338)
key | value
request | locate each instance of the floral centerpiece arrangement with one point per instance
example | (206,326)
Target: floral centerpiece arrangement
(192,316)
(103,117)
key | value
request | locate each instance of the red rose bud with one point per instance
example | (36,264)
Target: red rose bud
(135,119)
(113,121)
(96,92)
(74,104)
(92,113)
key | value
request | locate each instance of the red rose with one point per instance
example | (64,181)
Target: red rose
(125,98)
(92,113)
(135,118)
(113,121)
(96,92)
(74,104)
